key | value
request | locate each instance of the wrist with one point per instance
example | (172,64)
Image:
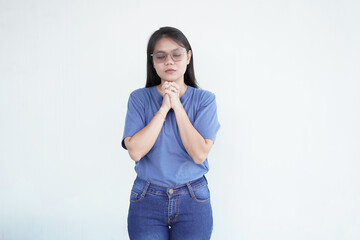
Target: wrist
(164,110)
(177,107)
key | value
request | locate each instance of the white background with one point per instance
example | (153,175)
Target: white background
(285,164)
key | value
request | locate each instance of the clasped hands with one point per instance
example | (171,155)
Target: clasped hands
(171,95)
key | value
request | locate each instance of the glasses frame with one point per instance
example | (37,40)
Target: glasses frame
(170,53)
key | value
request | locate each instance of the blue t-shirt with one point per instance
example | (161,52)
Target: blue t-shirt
(168,163)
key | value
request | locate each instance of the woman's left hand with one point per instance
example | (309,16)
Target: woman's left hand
(173,90)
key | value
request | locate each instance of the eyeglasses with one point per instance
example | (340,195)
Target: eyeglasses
(176,55)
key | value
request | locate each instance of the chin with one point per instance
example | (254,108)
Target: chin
(170,80)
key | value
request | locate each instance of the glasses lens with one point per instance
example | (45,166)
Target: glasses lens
(159,57)
(177,55)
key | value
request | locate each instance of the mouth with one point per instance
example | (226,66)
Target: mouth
(170,70)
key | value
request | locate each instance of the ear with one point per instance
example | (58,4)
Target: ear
(189,54)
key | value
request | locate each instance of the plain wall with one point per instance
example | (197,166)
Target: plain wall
(285,164)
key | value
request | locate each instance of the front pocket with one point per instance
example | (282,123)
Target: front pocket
(202,194)
(135,195)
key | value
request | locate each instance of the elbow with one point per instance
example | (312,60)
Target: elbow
(134,155)
(136,158)
(200,158)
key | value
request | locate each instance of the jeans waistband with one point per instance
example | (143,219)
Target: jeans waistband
(148,187)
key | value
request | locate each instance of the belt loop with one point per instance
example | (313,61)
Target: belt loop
(190,190)
(145,189)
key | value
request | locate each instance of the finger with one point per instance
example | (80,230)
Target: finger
(175,90)
(167,91)
(170,92)
(166,85)
(175,85)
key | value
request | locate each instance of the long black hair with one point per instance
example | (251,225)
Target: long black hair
(153,78)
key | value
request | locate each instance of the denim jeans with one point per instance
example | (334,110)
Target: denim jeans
(159,213)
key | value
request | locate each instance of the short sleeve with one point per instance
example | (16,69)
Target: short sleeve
(206,120)
(135,117)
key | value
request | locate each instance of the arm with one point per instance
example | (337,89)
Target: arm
(141,143)
(196,146)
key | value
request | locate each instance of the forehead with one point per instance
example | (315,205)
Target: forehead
(166,44)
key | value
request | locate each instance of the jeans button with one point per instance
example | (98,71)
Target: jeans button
(171,191)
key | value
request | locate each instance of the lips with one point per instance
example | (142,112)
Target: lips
(170,70)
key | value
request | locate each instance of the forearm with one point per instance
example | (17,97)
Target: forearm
(196,146)
(142,142)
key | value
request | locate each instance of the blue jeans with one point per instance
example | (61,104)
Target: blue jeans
(159,213)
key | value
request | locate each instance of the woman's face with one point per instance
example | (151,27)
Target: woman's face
(170,60)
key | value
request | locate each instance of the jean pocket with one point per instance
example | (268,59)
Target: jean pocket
(202,194)
(136,194)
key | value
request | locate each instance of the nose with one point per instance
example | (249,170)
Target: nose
(168,59)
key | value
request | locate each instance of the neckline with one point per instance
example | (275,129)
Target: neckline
(181,98)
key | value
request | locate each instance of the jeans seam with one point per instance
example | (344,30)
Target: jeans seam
(199,186)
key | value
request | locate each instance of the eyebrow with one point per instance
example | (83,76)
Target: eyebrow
(161,51)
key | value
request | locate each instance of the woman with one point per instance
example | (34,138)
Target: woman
(170,128)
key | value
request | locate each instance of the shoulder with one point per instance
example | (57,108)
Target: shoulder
(203,93)
(140,94)
(204,96)
(139,97)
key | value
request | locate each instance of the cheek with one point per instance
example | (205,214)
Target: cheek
(184,67)
(157,69)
